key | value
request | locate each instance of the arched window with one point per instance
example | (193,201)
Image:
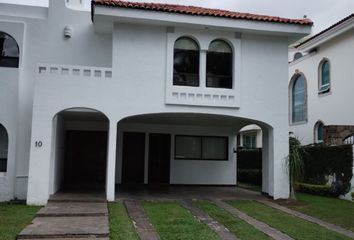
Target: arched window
(324,77)
(9,51)
(299,100)
(219,65)
(319,132)
(186,62)
(4,143)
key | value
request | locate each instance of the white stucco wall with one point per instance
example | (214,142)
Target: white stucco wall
(335,107)
(134,60)
(205,172)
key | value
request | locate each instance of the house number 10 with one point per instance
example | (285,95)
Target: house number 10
(38,144)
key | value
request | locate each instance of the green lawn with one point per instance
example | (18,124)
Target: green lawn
(121,227)
(333,210)
(237,226)
(292,226)
(13,218)
(172,222)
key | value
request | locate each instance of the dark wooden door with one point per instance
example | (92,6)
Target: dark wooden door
(159,158)
(85,158)
(133,158)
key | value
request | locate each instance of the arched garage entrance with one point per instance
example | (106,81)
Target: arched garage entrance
(79,154)
(186,149)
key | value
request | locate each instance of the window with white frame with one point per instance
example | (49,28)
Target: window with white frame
(219,65)
(9,51)
(186,62)
(249,140)
(201,148)
(4,141)
(319,132)
(298,99)
(324,77)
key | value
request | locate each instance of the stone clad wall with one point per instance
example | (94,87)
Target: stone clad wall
(335,134)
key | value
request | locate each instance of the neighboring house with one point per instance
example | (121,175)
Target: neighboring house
(321,86)
(134,93)
(250,137)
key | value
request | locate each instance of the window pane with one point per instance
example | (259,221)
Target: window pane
(249,141)
(9,53)
(3,149)
(188,147)
(215,148)
(186,63)
(325,73)
(320,132)
(299,100)
(219,65)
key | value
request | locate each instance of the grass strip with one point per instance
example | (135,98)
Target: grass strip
(121,227)
(235,225)
(13,218)
(174,222)
(290,225)
(333,210)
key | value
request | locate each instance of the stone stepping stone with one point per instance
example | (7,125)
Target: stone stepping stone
(261,226)
(64,209)
(66,227)
(203,217)
(308,218)
(141,221)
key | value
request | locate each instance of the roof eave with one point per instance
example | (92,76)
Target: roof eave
(327,35)
(110,15)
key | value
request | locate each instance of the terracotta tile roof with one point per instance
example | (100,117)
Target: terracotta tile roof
(197,11)
(326,30)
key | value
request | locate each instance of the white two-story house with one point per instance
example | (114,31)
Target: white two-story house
(321,83)
(138,93)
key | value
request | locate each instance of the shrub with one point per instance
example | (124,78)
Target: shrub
(322,190)
(321,161)
(352,195)
(253,176)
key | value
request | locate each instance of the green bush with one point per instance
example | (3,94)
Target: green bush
(352,195)
(322,190)
(253,176)
(321,161)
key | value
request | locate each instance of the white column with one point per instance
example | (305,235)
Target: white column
(39,162)
(111,161)
(280,154)
(202,68)
(265,161)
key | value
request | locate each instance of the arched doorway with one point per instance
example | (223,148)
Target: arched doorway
(79,150)
(4,145)
(249,156)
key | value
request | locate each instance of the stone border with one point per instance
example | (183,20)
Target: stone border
(141,221)
(203,217)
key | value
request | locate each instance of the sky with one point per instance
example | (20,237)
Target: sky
(322,12)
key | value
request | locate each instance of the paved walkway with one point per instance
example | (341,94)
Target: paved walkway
(140,192)
(218,228)
(308,218)
(83,218)
(266,229)
(141,221)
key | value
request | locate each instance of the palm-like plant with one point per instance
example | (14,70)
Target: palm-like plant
(295,164)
